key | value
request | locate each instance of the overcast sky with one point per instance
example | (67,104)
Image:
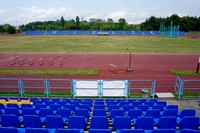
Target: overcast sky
(17,12)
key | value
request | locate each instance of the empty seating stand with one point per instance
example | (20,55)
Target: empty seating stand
(55,115)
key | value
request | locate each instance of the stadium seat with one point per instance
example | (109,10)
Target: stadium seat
(54,122)
(145,123)
(121,122)
(26,106)
(134,114)
(126,108)
(8,130)
(72,107)
(172,106)
(64,113)
(100,131)
(85,106)
(76,122)
(32,121)
(55,106)
(189,122)
(167,122)
(12,105)
(99,122)
(9,120)
(28,111)
(163,131)
(131,131)
(43,112)
(190,131)
(136,103)
(155,113)
(99,112)
(170,112)
(60,130)
(116,112)
(149,103)
(163,103)
(82,112)
(187,112)
(12,110)
(99,106)
(144,108)
(39,130)
(160,107)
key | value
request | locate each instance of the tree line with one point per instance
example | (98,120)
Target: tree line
(186,23)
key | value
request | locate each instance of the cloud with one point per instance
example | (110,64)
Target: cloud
(25,15)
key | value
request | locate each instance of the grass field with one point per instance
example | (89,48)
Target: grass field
(97,44)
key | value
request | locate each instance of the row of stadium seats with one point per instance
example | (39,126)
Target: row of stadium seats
(108,115)
(90,32)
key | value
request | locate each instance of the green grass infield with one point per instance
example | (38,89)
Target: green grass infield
(185,72)
(48,72)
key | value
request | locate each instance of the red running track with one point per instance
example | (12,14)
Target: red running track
(145,66)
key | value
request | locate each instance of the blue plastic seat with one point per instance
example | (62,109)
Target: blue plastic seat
(163,103)
(12,110)
(32,121)
(54,122)
(76,122)
(99,122)
(39,130)
(72,107)
(189,122)
(99,106)
(172,106)
(85,106)
(144,108)
(64,113)
(155,113)
(43,112)
(134,114)
(8,130)
(190,131)
(187,112)
(121,122)
(126,108)
(10,120)
(100,131)
(116,112)
(55,106)
(163,131)
(28,111)
(170,112)
(82,112)
(131,131)
(61,130)
(167,122)
(145,123)
(99,112)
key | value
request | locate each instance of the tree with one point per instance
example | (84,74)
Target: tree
(62,22)
(122,23)
(77,22)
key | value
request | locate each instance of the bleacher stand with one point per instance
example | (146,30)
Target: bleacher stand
(95,116)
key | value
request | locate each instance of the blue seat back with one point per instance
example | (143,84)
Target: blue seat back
(189,122)
(121,122)
(167,122)
(77,122)
(9,120)
(8,130)
(146,123)
(163,131)
(54,122)
(99,122)
(28,121)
